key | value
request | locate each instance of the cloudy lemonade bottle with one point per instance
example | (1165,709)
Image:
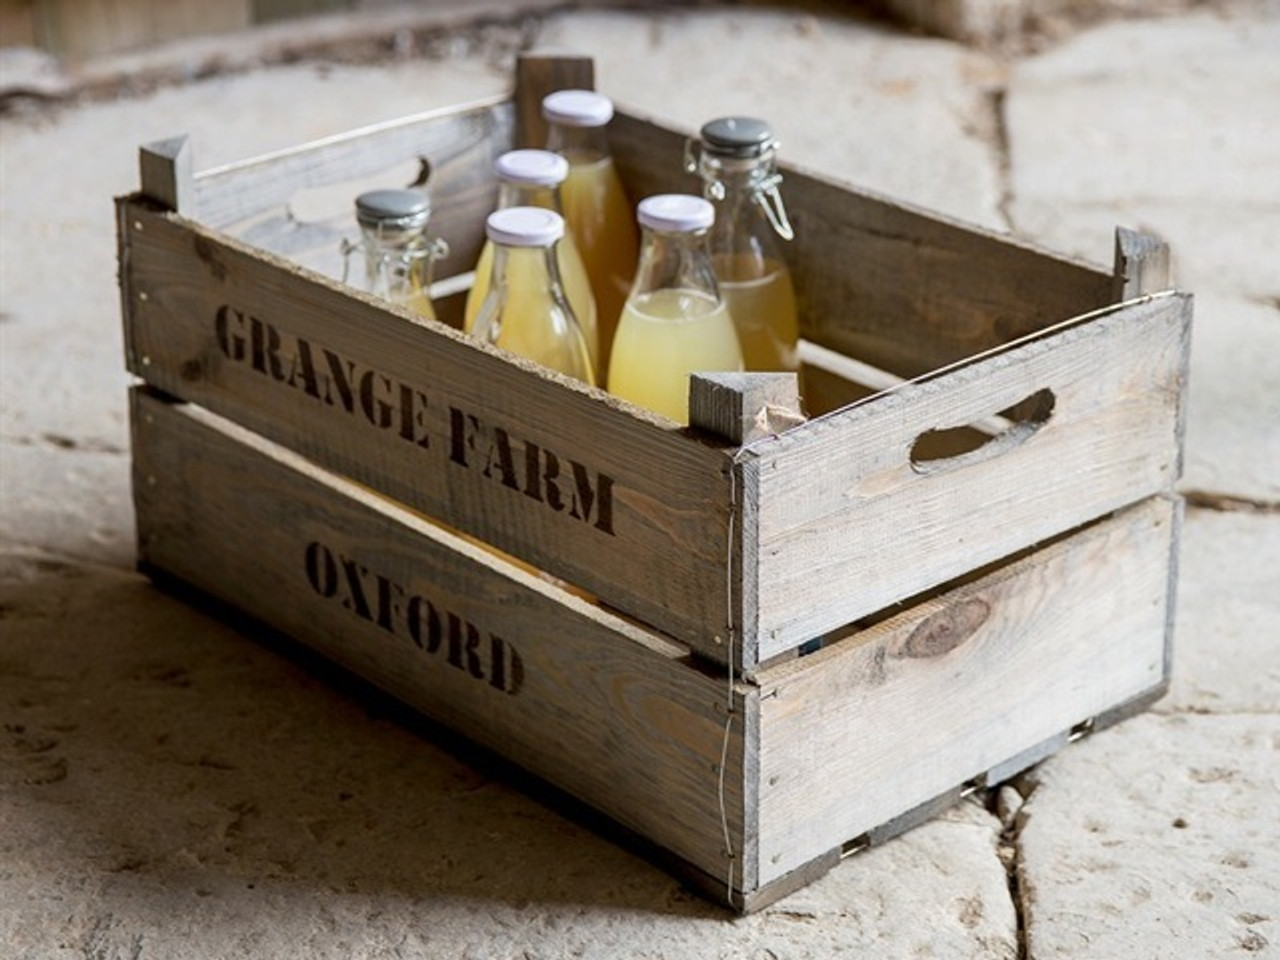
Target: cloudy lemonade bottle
(532,178)
(737,162)
(525,309)
(674,322)
(595,205)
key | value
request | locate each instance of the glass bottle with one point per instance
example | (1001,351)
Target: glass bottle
(525,309)
(398,254)
(595,204)
(532,178)
(737,162)
(674,322)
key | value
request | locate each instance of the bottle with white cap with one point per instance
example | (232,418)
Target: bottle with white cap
(595,204)
(532,178)
(525,309)
(674,322)
(736,159)
(398,254)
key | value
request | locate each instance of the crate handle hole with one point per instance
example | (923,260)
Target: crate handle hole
(982,438)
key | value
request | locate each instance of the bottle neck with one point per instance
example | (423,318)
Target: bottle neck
(679,261)
(398,263)
(528,195)
(537,267)
(578,145)
(745,191)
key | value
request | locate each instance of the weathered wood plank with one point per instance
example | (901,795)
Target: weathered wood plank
(582,698)
(888,718)
(538,75)
(558,473)
(459,147)
(166,173)
(1141,265)
(742,407)
(851,520)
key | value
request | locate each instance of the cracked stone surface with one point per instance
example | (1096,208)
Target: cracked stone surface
(1161,831)
(169,786)
(1227,631)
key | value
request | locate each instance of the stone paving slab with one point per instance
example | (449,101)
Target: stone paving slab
(1227,631)
(1233,399)
(1156,838)
(76,502)
(1156,125)
(171,788)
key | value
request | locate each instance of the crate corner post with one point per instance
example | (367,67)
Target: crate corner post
(538,74)
(1142,265)
(166,173)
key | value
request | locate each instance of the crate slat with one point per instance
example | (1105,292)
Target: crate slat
(1111,438)
(605,710)
(952,687)
(540,466)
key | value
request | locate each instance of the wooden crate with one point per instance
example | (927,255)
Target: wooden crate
(785,638)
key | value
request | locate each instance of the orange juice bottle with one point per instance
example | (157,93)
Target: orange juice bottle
(674,322)
(595,205)
(525,309)
(532,178)
(736,158)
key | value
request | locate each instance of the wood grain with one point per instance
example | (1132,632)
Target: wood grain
(849,524)
(453,428)
(900,713)
(250,199)
(1141,265)
(609,712)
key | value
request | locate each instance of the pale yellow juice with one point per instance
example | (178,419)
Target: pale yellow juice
(762,302)
(603,224)
(419,301)
(533,326)
(577,290)
(662,338)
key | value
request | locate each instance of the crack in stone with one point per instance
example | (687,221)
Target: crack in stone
(996,99)
(1008,803)
(58,441)
(1228,503)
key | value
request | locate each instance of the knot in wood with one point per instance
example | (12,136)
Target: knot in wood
(947,629)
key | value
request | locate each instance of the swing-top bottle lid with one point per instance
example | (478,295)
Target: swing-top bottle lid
(675,213)
(393,209)
(524,227)
(739,137)
(577,108)
(537,168)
